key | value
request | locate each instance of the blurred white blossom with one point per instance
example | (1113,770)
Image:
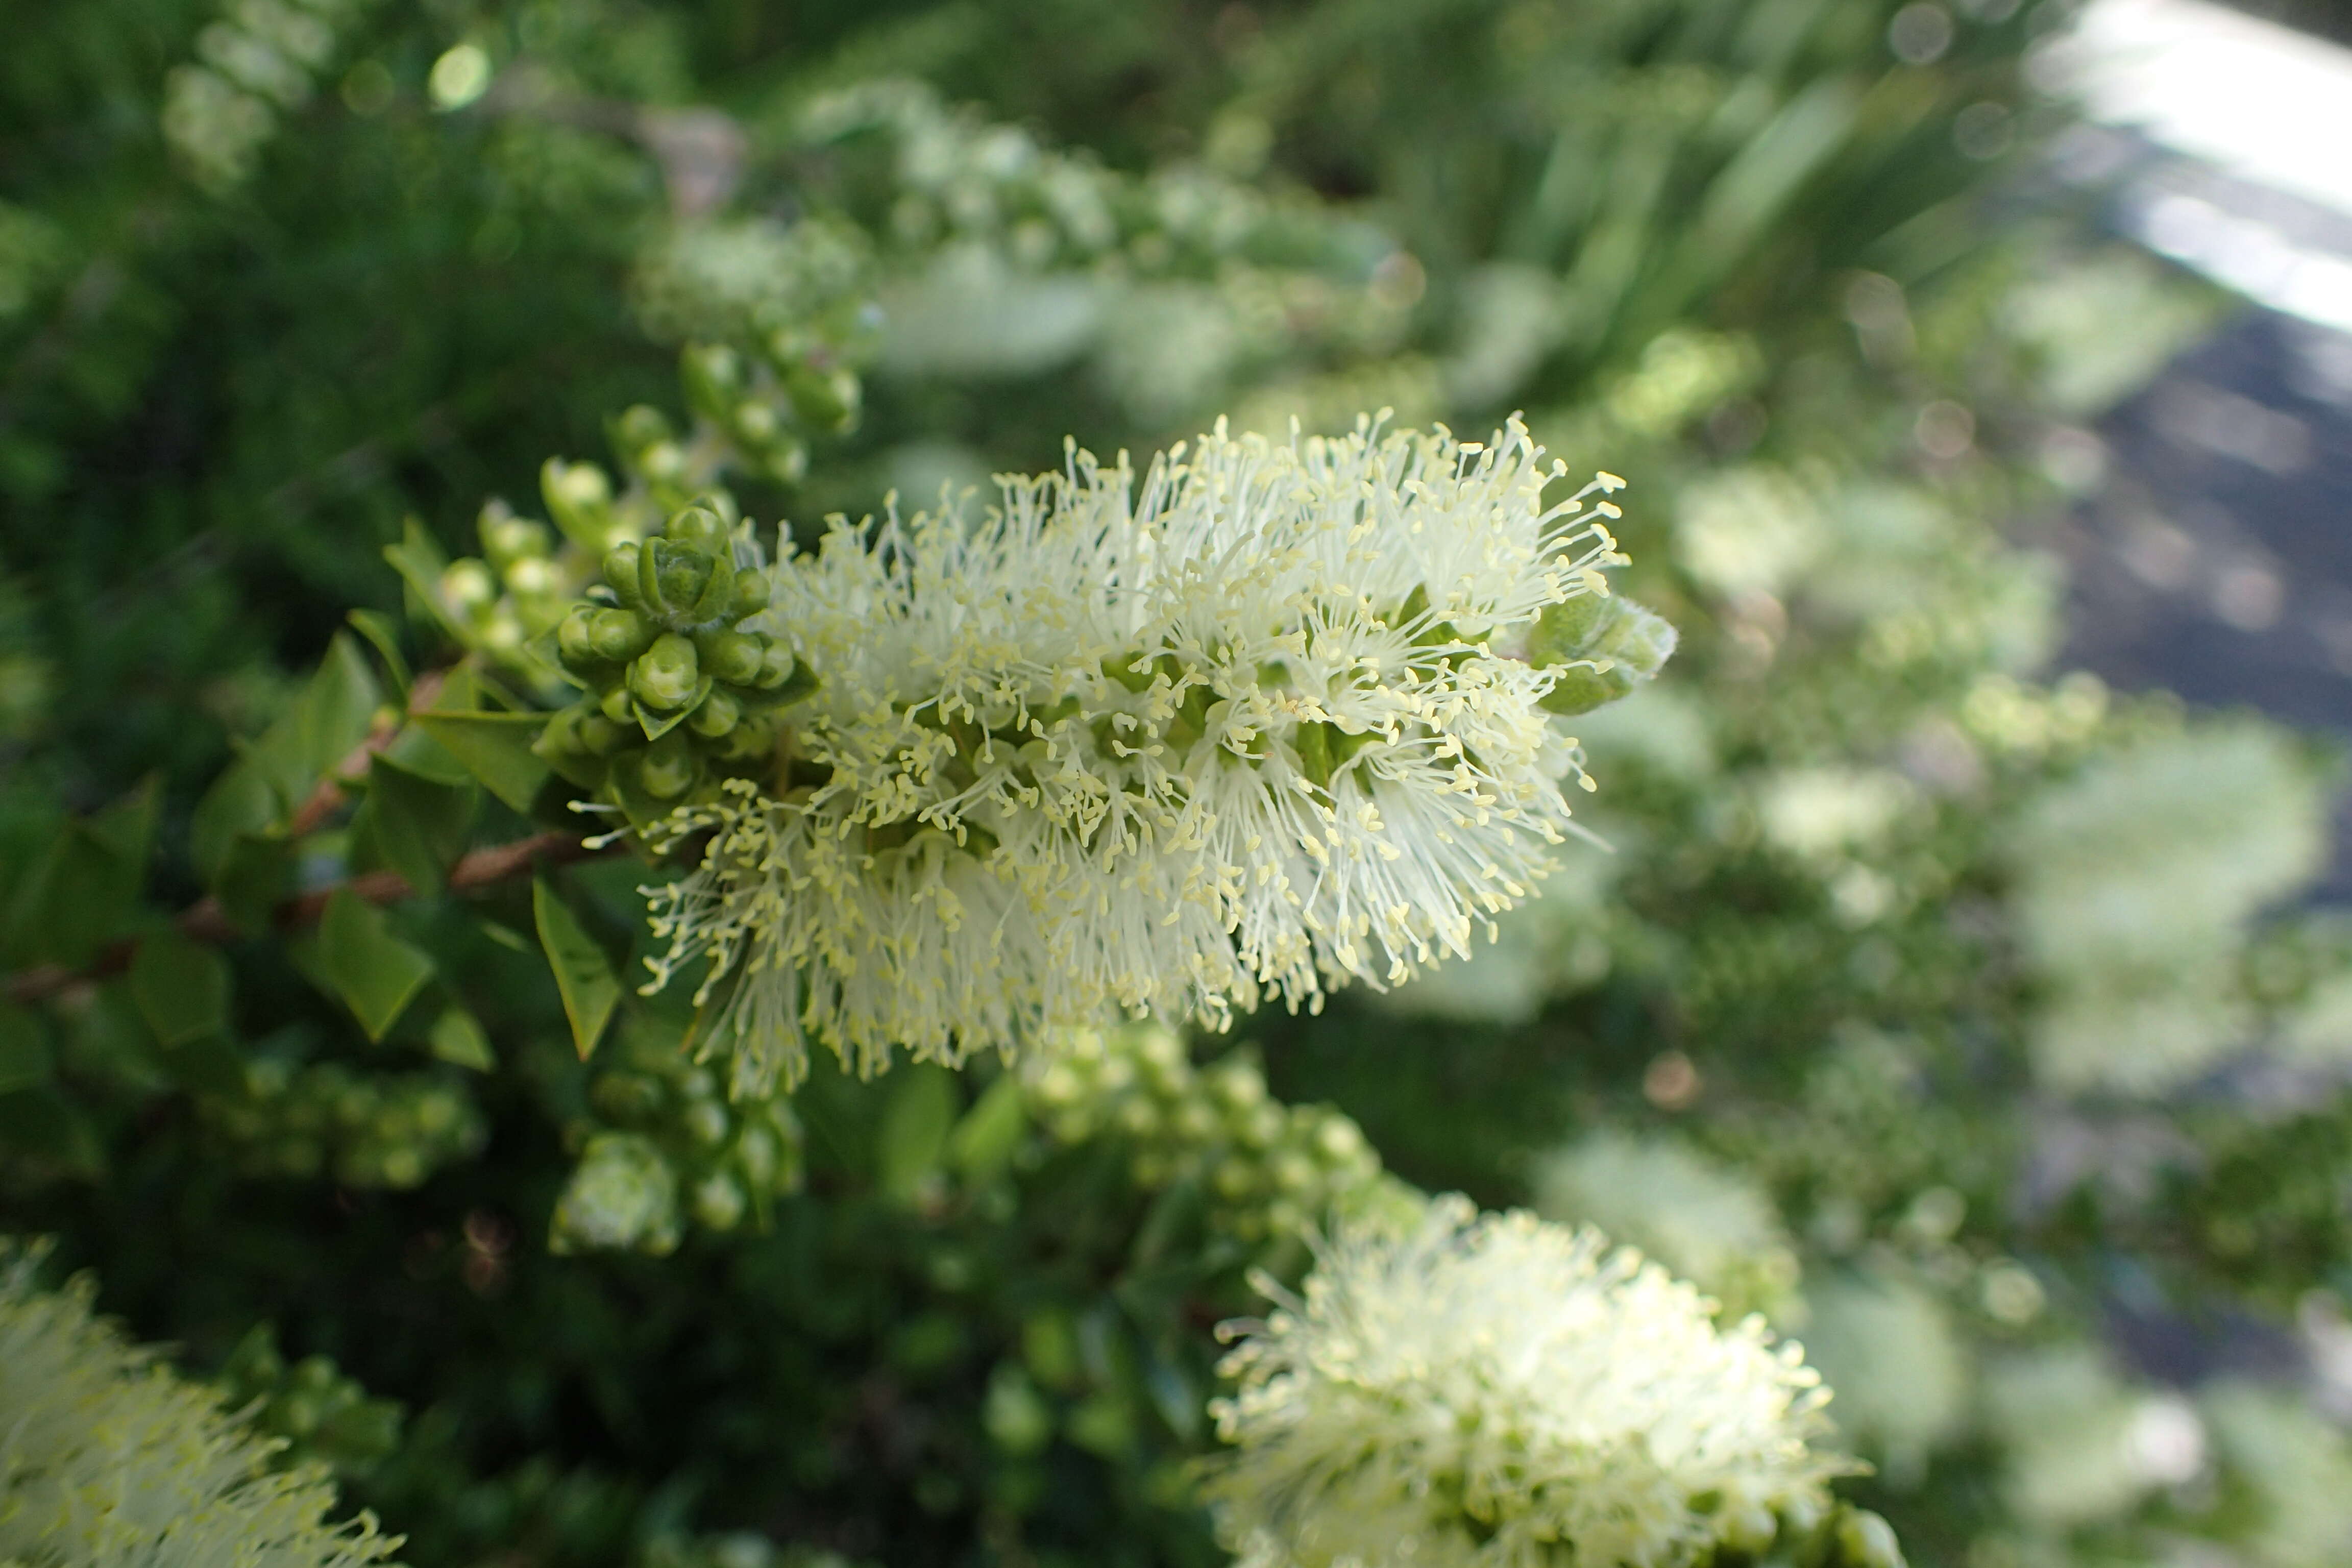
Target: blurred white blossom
(2135,883)
(1700,1219)
(1255,729)
(1497,1390)
(108,1460)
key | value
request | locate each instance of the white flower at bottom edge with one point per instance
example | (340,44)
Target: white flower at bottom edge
(1497,1391)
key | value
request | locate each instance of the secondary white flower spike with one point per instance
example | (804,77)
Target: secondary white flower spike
(1255,727)
(1498,1392)
(108,1460)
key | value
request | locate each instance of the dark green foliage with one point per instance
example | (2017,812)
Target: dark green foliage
(313,1038)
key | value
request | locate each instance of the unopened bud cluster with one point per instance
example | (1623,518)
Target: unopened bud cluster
(1267,1169)
(1603,647)
(310,1406)
(770,402)
(672,1147)
(954,176)
(757,410)
(254,65)
(506,602)
(369,1130)
(677,692)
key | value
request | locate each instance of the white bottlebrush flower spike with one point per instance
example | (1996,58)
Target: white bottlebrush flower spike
(1500,1392)
(107,1460)
(1253,728)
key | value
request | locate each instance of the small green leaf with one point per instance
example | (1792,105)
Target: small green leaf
(984,1141)
(418,823)
(915,1126)
(375,973)
(383,634)
(209,1064)
(181,985)
(583,973)
(456,1037)
(334,716)
(419,560)
(253,875)
(420,753)
(51,1129)
(495,749)
(26,1059)
(239,801)
(83,890)
(107,1038)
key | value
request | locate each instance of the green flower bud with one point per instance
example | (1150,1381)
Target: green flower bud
(600,736)
(750,737)
(639,429)
(560,739)
(623,1195)
(617,705)
(507,538)
(665,676)
(663,460)
(700,527)
(468,585)
(533,576)
(580,498)
(717,714)
(736,658)
(1603,647)
(668,768)
(752,592)
(1581,688)
(618,634)
(620,574)
(826,398)
(786,459)
(711,605)
(673,575)
(756,422)
(713,375)
(718,1201)
(775,666)
(1566,631)
(572,643)
(706,1120)
(1866,1540)
(1744,1523)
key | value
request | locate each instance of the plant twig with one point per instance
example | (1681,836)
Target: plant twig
(205,921)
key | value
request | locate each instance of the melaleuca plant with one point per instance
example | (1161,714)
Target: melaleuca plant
(112,1458)
(331,1037)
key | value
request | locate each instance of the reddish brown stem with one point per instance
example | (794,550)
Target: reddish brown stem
(206,921)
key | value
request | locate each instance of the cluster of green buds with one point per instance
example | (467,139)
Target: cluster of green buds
(371,1130)
(770,402)
(321,1416)
(515,592)
(678,694)
(1602,646)
(1753,1535)
(953,175)
(669,1146)
(257,65)
(1267,1169)
(506,602)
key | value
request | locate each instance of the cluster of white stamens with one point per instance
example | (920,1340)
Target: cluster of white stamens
(1254,728)
(1491,1391)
